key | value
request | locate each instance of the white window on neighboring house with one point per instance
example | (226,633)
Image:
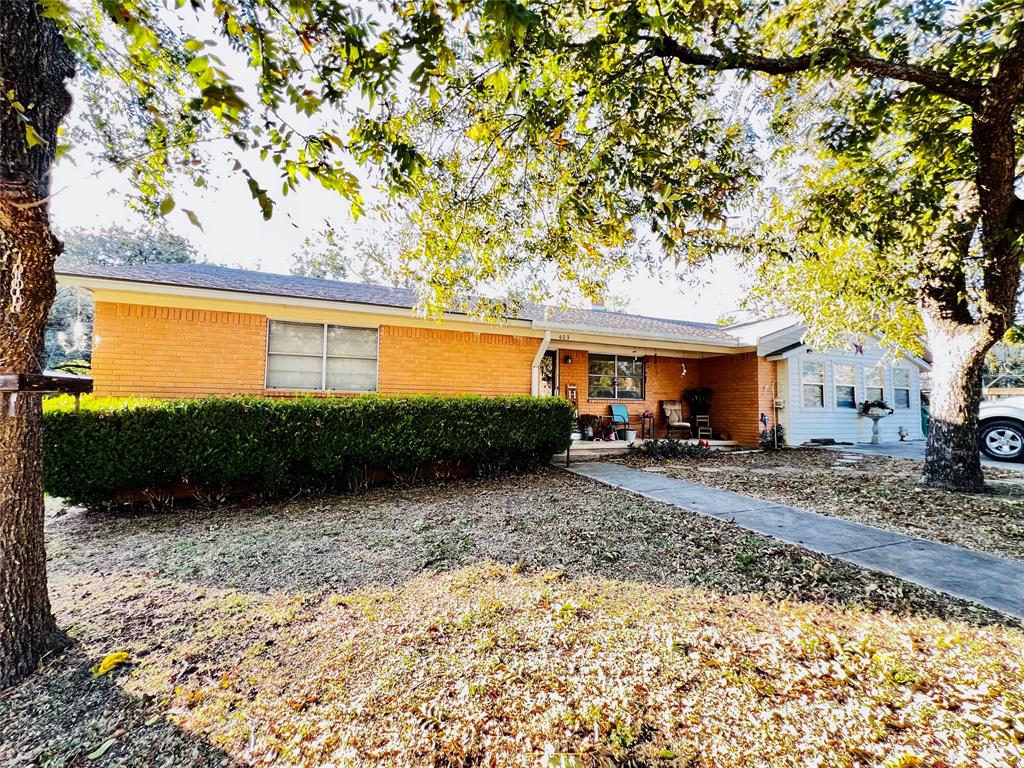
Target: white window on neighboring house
(316,356)
(844,379)
(874,384)
(813,380)
(901,387)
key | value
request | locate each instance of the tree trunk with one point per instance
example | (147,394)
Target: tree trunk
(34,63)
(952,460)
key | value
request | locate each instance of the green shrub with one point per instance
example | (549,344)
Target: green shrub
(670,448)
(273,446)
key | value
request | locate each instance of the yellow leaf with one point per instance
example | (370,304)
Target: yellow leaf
(110,661)
(32,136)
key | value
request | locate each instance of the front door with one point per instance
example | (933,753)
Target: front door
(549,374)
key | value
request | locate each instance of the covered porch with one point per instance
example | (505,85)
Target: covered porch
(596,375)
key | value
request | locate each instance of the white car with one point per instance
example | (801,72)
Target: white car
(1001,428)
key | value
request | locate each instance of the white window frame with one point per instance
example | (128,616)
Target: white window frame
(805,383)
(909,388)
(836,385)
(323,358)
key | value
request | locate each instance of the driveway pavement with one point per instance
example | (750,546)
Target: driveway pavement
(994,582)
(914,449)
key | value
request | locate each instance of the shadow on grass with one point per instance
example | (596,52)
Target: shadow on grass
(64,716)
(450,622)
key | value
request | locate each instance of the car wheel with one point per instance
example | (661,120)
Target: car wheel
(1002,440)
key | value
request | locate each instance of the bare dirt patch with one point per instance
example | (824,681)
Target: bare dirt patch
(877,490)
(499,622)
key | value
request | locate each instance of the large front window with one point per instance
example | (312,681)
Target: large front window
(316,356)
(615,377)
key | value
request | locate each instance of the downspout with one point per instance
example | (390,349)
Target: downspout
(535,368)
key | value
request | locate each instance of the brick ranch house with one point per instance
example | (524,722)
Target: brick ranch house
(191,330)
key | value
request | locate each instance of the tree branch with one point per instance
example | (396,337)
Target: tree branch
(960,90)
(993,134)
(1005,89)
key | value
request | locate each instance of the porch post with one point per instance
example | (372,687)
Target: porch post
(535,368)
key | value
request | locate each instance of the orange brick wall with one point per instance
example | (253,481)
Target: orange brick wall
(664,382)
(454,362)
(743,386)
(172,352)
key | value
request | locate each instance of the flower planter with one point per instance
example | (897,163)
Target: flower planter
(876,411)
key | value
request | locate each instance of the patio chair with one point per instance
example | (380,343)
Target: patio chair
(620,416)
(673,411)
(703,427)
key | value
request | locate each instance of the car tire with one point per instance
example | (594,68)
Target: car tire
(1002,439)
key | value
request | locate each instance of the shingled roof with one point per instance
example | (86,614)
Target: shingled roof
(210,277)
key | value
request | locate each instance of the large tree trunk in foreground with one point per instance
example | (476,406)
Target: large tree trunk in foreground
(34,63)
(952,460)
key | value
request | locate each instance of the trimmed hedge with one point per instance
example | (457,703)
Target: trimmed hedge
(220,446)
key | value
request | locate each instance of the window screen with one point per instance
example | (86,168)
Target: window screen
(314,356)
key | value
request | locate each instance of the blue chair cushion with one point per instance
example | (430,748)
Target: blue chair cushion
(619,414)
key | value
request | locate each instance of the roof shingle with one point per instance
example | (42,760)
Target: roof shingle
(211,277)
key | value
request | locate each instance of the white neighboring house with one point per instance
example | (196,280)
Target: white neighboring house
(820,391)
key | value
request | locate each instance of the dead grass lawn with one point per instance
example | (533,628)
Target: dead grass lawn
(501,623)
(877,490)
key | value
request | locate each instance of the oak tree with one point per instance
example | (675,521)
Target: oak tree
(888,130)
(157,101)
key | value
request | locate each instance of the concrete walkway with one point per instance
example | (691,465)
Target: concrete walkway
(992,581)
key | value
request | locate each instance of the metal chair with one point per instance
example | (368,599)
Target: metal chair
(620,416)
(673,412)
(703,427)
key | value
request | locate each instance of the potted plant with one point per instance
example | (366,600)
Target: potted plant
(876,410)
(588,422)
